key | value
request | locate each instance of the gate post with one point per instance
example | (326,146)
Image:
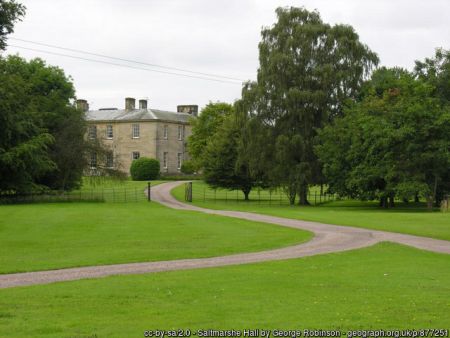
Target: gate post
(188,192)
(149,193)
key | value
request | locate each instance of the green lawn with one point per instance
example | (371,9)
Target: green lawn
(403,219)
(61,235)
(386,286)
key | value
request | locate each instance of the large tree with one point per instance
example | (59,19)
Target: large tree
(42,140)
(393,143)
(308,70)
(204,127)
(224,161)
(10,13)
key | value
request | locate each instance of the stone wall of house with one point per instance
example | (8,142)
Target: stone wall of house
(173,145)
(150,143)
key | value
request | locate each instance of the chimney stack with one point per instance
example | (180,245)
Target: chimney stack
(82,105)
(142,104)
(189,109)
(130,103)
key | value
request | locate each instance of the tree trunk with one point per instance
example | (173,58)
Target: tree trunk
(303,196)
(246,192)
(431,197)
(416,198)
(430,200)
(391,201)
(321,189)
(383,202)
(292,198)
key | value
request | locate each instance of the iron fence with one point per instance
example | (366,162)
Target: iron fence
(109,195)
(256,196)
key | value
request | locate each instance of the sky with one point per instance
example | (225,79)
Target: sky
(205,36)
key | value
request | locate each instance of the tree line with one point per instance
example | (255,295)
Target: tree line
(42,139)
(322,112)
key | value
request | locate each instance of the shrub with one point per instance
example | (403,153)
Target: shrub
(144,168)
(188,167)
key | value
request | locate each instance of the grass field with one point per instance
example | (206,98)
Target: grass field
(61,235)
(387,286)
(403,218)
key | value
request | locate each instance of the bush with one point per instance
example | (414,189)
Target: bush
(144,168)
(188,167)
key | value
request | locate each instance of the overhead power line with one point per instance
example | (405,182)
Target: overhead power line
(125,66)
(127,60)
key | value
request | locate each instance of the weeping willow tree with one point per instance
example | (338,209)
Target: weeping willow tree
(308,70)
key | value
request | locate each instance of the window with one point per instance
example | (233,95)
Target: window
(165,156)
(92,132)
(93,161)
(135,130)
(135,155)
(180,133)
(179,160)
(109,160)
(109,131)
(166,132)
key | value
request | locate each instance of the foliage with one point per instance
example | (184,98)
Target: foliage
(188,167)
(223,167)
(308,71)
(144,168)
(203,129)
(394,143)
(436,72)
(10,13)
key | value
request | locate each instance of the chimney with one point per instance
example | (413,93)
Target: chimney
(188,108)
(82,105)
(142,104)
(129,103)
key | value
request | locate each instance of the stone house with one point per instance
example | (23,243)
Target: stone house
(133,132)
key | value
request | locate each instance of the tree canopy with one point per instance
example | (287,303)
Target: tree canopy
(393,143)
(204,127)
(308,71)
(224,164)
(42,141)
(10,13)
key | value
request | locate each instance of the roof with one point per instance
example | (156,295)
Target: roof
(119,115)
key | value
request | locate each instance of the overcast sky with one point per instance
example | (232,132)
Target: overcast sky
(219,37)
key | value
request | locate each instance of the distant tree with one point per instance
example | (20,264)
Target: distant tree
(10,13)
(395,142)
(204,127)
(144,168)
(223,168)
(308,71)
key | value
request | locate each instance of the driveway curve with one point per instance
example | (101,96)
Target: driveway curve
(327,238)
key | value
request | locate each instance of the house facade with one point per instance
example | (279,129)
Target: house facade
(132,133)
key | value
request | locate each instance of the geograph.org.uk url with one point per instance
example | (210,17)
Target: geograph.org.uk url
(279,333)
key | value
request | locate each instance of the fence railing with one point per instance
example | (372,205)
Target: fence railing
(256,196)
(112,195)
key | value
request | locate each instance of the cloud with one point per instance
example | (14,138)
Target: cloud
(219,37)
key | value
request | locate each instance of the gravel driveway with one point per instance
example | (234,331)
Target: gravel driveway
(327,238)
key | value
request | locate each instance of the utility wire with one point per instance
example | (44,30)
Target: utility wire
(125,66)
(126,60)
